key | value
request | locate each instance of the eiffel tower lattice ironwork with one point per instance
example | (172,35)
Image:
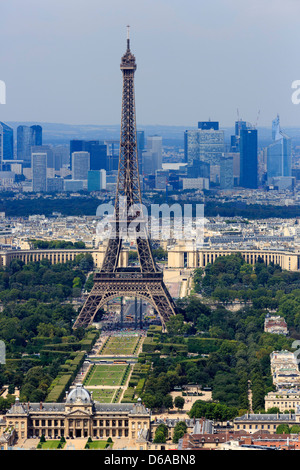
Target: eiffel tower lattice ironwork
(145,281)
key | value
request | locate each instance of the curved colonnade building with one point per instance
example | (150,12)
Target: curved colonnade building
(179,256)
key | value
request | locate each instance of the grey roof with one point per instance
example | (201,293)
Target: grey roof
(46,407)
(117,407)
(79,395)
(203,426)
(171,422)
(266,417)
(25,408)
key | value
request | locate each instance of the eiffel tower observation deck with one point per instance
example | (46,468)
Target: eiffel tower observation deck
(146,280)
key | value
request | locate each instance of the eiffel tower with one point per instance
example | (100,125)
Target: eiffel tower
(146,280)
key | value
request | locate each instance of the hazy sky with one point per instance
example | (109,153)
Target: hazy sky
(196,60)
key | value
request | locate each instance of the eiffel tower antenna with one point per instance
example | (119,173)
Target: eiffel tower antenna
(145,281)
(128,37)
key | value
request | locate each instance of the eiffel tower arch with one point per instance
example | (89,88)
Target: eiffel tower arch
(146,280)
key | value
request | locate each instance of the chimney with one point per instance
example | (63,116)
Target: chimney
(41,405)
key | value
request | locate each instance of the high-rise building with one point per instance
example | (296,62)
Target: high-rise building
(279,153)
(61,157)
(80,165)
(235,139)
(27,137)
(96,180)
(76,145)
(97,151)
(6,143)
(39,172)
(44,149)
(226,172)
(152,155)
(207,144)
(37,134)
(140,137)
(248,158)
(113,149)
(98,155)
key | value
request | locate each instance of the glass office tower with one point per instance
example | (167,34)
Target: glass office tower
(6,143)
(279,153)
(39,172)
(28,137)
(80,165)
(248,158)
(205,143)
(97,151)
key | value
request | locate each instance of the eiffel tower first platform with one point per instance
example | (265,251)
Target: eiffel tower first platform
(146,280)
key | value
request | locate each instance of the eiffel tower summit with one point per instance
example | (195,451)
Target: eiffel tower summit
(146,280)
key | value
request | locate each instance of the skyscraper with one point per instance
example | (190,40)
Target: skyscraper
(80,165)
(98,155)
(44,149)
(97,151)
(152,156)
(279,153)
(27,137)
(39,172)
(248,158)
(76,145)
(6,143)
(235,139)
(226,172)
(37,134)
(113,148)
(140,137)
(207,144)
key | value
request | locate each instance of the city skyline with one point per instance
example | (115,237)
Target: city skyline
(213,63)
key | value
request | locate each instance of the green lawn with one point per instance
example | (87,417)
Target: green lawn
(99,444)
(103,395)
(120,345)
(110,374)
(51,444)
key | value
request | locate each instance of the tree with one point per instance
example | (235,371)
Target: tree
(176,325)
(283,429)
(161,434)
(179,430)
(179,402)
(295,429)
(168,402)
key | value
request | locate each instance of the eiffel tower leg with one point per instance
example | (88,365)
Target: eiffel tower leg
(88,311)
(163,303)
(140,313)
(135,313)
(122,312)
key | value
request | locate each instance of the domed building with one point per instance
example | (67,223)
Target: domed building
(80,416)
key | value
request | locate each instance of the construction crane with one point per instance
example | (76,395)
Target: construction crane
(255,125)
